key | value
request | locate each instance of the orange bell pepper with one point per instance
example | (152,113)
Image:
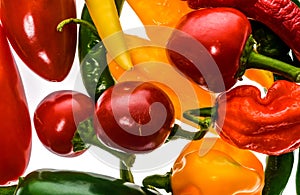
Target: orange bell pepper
(151,64)
(159,12)
(211,166)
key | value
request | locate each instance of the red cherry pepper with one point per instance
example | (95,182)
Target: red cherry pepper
(57,117)
(268,125)
(31,29)
(214,47)
(15,131)
(281,16)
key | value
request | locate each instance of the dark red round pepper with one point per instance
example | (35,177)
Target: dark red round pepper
(223,32)
(31,29)
(134,116)
(15,130)
(56,119)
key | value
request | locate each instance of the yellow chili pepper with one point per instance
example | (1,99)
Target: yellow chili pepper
(211,166)
(151,64)
(105,17)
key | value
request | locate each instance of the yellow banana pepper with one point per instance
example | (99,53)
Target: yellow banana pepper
(211,166)
(105,17)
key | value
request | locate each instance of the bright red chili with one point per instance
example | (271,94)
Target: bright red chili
(268,125)
(56,119)
(31,29)
(282,16)
(15,131)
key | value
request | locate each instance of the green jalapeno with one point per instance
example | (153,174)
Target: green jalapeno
(63,182)
(92,56)
(277,173)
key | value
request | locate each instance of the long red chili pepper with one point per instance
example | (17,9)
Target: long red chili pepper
(268,125)
(281,16)
(15,126)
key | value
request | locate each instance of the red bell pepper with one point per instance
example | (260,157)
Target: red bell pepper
(15,130)
(31,29)
(268,125)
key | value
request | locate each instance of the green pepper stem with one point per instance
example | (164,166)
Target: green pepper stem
(61,25)
(251,59)
(179,133)
(85,131)
(286,70)
(125,173)
(159,181)
(8,190)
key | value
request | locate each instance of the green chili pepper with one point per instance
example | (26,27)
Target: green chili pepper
(92,56)
(268,43)
(62,182)
(277,173)
(298,175)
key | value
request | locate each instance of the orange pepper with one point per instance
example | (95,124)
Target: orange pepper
(151,64)
(212,166)
(263,77)
(159,12)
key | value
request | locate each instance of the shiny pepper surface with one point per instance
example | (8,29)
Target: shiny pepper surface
(31,29)
(212,166)
(15,130)
(268,125)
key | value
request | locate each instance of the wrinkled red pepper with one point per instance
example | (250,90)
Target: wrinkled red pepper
(15,130)
(268,125)
(31,29)
(282,16)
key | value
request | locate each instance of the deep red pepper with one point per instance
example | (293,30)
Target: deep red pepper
(281,16)
(31,29)
(15,131)
(214,47)
(268,125)
(223,32)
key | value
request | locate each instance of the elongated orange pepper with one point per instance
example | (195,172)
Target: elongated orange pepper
(212,166)
(151,64)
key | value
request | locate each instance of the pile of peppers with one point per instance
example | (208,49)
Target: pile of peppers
(232,124)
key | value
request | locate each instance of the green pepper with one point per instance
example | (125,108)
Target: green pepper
(63,182)
(92,56)
(277,173)
(268,43)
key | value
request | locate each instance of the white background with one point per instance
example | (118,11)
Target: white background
(36,89)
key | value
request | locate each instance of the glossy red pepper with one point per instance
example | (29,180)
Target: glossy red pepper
(15,131)
(214,47)
(56,119)
(282,16)
(223,32)
(31,29)
(268,125)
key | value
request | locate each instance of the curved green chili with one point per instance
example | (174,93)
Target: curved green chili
(92,56)
(277,173)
